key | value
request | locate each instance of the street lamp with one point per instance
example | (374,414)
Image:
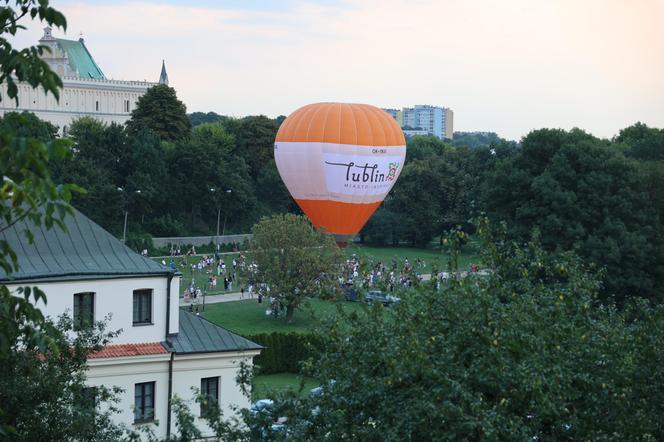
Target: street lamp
(126,213)
(212,189)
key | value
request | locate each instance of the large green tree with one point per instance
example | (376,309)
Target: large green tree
(295,260)
(584,195)
(209,177)
(43,390)
(27,124)
(254,140)
(160,111)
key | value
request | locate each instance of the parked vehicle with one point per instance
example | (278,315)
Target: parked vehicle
(265,434)
(384,298)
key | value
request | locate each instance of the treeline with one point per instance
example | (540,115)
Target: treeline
(177,175)
(170,178)
(602,199)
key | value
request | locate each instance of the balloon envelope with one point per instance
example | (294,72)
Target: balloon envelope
(339,161)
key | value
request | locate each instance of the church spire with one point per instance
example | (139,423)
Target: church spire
(163,78)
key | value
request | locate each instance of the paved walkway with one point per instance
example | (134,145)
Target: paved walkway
(225,297)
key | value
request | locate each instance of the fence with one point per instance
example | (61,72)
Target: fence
(199,240)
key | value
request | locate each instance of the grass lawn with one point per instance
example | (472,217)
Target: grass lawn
(266,385)
(434,254)
(201,277)
(248,317)
(371,254)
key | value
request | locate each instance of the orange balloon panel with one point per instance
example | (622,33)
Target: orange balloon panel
(339,161)
(339,218)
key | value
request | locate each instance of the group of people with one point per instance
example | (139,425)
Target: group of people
(379,275)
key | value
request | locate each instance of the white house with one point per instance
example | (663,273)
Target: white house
(162,351)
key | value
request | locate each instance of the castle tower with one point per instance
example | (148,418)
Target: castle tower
(163,78)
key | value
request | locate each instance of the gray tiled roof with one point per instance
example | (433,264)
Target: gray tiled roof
(84,251)
(198,335)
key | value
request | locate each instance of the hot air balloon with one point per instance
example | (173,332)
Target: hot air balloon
(339,161)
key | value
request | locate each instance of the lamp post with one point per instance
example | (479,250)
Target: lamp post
(212,189)
(126,214)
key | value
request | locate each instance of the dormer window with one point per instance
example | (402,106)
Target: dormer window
(143,307)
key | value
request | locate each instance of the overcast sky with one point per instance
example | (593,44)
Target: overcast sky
(507,66)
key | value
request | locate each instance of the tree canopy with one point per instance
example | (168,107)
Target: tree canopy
(583,194)
(160,111)
(294,260)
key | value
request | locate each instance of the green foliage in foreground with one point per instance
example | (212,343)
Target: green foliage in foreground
(43,391)
(526,353)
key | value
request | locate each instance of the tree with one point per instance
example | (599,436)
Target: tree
(99,164)
(198,118)
(295,260)
(436,190)
(524,353)
(205,169)
(254,140)
(475,139)
(160,111)
(27,124)
(43,390)
(584,195)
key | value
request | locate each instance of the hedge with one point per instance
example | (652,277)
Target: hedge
(283,351)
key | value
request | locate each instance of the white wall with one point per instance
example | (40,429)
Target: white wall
(115,296)
(188,370)
(125,373)
(78,99)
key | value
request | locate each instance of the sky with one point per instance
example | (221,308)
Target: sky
(507,66)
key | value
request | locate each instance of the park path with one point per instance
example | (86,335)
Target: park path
(224,297)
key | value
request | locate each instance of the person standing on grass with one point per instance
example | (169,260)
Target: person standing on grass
(242,292)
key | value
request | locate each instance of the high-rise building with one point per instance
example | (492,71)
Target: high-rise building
(396,114)
(433,120)
(85,89)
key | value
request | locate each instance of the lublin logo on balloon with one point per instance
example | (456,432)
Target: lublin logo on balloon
(372,174)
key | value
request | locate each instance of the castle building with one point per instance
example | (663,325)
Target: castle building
(86,92)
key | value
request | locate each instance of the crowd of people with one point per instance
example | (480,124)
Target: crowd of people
(369,274)
(358,273)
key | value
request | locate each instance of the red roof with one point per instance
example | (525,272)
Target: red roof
(123,350)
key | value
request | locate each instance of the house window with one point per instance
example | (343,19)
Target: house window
(87,398)
(142,306)
(144,402)
(84,310)
(210,389)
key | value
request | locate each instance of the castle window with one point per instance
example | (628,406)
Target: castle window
(96,105)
